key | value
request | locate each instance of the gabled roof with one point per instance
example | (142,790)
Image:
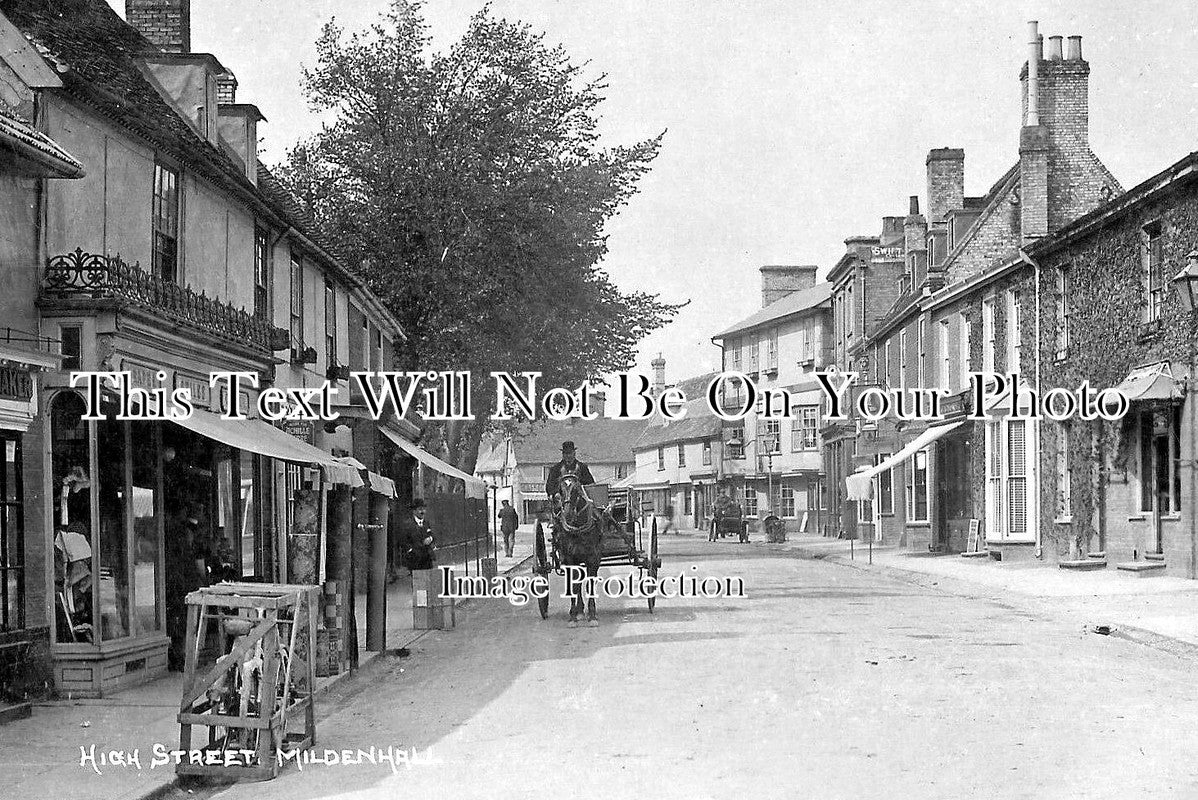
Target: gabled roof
(793,304)
(699,422)
(598,441)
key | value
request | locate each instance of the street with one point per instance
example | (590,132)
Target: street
(825,682)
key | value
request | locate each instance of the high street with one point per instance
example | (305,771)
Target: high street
(826,681)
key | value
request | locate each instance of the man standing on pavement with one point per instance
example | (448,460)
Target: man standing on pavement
(569,465)
(507,523)
(417,538)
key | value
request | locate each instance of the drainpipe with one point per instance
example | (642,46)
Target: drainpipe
(1026,259)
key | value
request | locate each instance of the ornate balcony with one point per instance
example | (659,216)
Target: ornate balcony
(87,276)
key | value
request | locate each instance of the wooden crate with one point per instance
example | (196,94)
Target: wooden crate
(260,686)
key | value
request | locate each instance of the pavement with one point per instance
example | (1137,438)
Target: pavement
(49,755)
(825,681)
(1161,611)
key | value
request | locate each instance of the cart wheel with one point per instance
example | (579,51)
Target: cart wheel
(653,565)
(542,568)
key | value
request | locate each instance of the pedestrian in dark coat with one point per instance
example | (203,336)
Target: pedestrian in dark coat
(508,521)
(419,546)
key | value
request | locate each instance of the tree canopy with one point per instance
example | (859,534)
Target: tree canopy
(470,190)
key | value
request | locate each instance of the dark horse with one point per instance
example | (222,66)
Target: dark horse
(577,536)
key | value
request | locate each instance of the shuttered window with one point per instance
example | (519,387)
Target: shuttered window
(1009,501)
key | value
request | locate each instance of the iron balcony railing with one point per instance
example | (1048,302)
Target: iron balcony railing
(80,275)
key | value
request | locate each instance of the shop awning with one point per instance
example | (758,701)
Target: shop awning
(256,436)
(475,487)
(377,483)
(1151,382)
(859,485)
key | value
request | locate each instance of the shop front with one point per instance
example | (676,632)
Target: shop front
(144,512)
(24,630)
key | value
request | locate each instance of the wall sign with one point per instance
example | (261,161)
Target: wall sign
(15,384)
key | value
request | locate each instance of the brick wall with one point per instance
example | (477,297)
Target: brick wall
(166,23)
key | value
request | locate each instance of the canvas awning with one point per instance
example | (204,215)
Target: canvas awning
(1151,382)
(475,487)
(377,483)
(256,436)
(859,485)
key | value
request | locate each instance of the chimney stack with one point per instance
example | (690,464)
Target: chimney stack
(913,206)
(166,23)
(946,182)
(777,281)
(226,89)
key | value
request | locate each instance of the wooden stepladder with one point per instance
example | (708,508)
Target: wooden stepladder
(255,696)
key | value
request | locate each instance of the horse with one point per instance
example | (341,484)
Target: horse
(578,536)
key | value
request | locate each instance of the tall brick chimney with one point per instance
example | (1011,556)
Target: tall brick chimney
(946,182)
(777,281)
(1057,182)
(166,23)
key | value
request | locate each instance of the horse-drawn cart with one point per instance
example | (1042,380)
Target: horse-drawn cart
(622,543)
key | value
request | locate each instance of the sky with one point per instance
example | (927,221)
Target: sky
(789,126)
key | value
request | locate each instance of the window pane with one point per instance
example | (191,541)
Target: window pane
(144,441)
(72,519)
(249,515)
(114,546)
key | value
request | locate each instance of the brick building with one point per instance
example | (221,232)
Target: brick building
(966,303)
(1123,492)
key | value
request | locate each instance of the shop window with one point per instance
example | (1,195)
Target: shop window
(12,538)
(73,552)
(788,501)
(917,488)
(113,573)
(146,501)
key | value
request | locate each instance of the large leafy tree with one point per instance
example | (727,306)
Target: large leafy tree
(470,189)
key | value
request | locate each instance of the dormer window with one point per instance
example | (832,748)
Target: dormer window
(165,222)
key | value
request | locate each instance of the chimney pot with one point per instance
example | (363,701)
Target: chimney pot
(1054,48)
(1075,48)
(1032,118)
